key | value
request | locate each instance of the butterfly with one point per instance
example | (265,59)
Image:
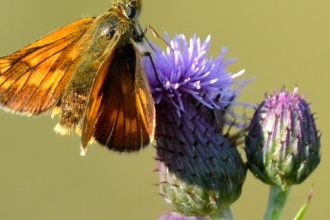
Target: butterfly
(89,72)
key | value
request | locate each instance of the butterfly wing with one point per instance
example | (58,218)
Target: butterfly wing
(120,112)
(33,78)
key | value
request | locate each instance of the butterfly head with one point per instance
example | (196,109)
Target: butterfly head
(130,8)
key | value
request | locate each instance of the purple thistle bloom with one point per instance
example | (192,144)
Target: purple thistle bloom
(176,216)
(201,172)
(187,71)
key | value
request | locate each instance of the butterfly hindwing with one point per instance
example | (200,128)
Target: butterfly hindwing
(125,117)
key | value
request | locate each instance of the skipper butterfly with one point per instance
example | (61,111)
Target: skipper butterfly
(90,73)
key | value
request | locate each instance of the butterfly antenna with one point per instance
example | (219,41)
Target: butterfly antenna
(156,35)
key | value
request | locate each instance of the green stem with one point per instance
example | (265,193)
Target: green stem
(224,215)
(276,202)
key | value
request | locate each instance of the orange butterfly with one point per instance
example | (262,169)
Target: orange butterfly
(91,73)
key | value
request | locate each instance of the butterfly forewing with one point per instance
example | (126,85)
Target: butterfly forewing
(33,78)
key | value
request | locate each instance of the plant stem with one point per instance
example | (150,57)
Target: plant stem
(224,215)
(277,199)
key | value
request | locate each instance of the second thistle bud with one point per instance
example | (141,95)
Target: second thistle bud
(283,145)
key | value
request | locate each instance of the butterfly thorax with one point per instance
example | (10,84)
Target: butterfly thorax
(108,33)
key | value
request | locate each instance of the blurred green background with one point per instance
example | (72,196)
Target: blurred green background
(42,175)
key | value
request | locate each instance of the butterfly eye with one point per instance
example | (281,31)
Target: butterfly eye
(130,11)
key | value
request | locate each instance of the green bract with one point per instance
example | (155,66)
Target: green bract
(200,172)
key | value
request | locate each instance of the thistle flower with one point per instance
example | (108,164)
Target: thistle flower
(283,145)
(185,71)
(200,172)
(176,216)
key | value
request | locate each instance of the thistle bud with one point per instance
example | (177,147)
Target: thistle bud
(283,145)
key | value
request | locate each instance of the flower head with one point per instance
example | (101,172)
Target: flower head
(283,145)
(176,216)
(200,172)
(184,70)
